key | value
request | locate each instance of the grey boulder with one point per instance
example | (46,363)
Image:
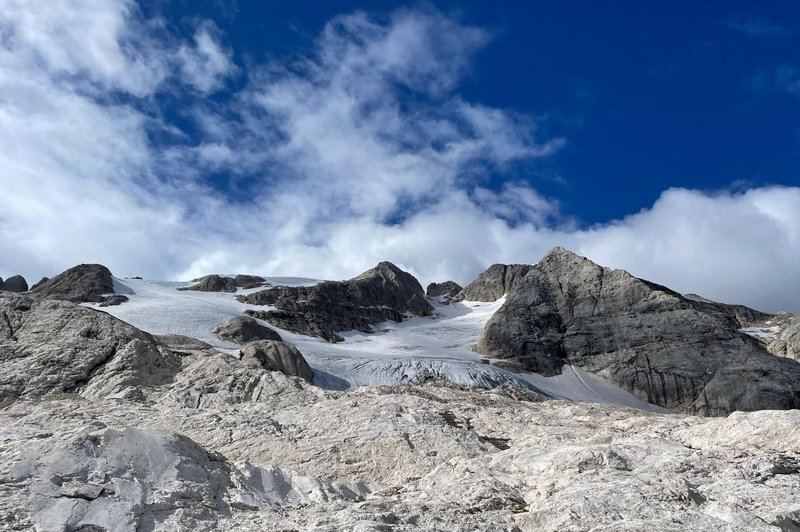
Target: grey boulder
(383,293)
(277,356)
(85,283)
(787,343)
(244,329)
(663,347)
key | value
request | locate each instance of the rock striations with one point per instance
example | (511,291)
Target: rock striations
(381,294)
(672,351)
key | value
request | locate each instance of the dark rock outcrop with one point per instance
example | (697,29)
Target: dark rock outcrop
(665,348)
(39,283)
(217,283)
(494,283)
(383,293)
(17,283)
(85,283)
(49,347)
(244,329)
(277,356)
(114,300)
(447,289)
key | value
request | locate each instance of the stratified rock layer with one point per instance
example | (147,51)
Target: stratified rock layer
(669,350)
(85,283)
(381,294)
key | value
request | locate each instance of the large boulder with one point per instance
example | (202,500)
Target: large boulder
(277,356)
(494,283)
(381,294)
(244,329)
(661,346)
(51,347)
(85,283)
(16,283)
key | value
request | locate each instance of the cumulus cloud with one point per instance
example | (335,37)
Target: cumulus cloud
(360,150)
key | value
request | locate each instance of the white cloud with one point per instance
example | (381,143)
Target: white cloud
(206,64)
(341,169)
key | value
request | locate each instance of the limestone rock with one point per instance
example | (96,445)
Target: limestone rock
(217,283)
(16,283)
(495,282)
(85,283)
(669,350)
(447,289)
(381,294)
(244,329)
(49,347)
(787,343)
(277,356)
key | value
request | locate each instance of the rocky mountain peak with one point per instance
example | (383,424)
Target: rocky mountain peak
(85,283)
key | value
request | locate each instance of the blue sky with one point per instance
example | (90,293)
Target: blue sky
(648,95)
(176,139)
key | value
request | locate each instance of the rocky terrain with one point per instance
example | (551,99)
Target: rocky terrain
(381,294)
(106,427)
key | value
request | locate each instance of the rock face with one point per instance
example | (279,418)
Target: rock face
(742,314)
(449,289)
(495,282)
(787,343)
(49,347)
(244,329)
(86,283)
(277,356)
(16,283)
(668,350)
(381,294)
(217,283)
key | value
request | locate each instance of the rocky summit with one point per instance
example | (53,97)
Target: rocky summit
(593,400)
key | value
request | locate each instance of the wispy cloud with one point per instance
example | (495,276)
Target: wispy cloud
(361,150)
(755,27)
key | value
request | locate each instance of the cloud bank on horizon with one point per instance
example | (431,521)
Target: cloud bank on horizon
(360,150)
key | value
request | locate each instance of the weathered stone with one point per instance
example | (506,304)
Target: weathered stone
(669,350)
(85,283)
(16,283)
(277,356)
(787,342)
(49,347)
(494,283)
(217,283)
(112,301)
(244,329)
(381,294)
(448,289)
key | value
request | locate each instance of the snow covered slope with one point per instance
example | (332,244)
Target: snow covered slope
(396,353)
